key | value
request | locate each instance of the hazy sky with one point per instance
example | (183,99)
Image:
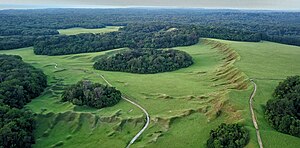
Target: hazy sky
(248,4)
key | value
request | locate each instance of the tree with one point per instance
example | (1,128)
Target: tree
(90,94)
(20,82)
(228,136)
(283,112)
(145,61)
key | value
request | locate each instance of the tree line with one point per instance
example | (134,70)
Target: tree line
(19,83)
(283,111)
(160,37)
(145,61)
(91,94)
(281,27)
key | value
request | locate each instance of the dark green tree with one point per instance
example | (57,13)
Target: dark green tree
(283,112)
(92,94)
(145,61)
(228,136)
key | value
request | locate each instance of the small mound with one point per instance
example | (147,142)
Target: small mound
(145,61)
(93,95)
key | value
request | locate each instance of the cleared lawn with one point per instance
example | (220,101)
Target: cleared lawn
(73,31)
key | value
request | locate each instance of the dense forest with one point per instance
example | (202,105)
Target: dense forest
(145,61)
(152,36)
(16,127)
(92,94)
(19,83)
(281,27)
(283,112)
(228,136)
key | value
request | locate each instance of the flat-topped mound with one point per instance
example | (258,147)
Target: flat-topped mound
(145,61)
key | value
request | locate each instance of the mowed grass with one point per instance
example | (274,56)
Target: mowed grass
(263,62)
(74,31)
(169,98)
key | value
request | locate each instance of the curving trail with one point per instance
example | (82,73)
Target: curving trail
(137,105)
(253,115)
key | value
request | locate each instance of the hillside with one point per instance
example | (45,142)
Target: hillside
(182,104)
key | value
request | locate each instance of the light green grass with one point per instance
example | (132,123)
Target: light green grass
(73,31)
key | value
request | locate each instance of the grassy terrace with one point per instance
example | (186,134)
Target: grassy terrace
(183,104)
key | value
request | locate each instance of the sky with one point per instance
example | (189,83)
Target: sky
(231,4)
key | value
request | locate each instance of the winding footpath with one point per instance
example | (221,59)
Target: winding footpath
(253,115)
(137,105)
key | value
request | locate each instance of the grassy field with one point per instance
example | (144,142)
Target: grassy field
(183,104)
(73,31)
(263,62)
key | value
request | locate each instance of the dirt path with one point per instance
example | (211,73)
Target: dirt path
(253,115)
(137,105)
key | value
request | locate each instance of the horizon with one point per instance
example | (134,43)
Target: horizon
(288,5)
(33,6)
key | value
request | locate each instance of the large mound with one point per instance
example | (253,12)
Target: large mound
(19,81)
(228,136)
(145,61)
(93,95)
(283,112)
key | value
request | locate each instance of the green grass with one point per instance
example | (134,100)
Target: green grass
(263,61)
(73,31)
(181,103)
(167,96)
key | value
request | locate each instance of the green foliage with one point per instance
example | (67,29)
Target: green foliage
(19,81)
(283,112)
(228,136)
(145,61)
(12,42)
(93,95)
(16,127)
(156,37)
(223,24)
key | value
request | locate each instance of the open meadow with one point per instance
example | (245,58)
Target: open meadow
(74,31)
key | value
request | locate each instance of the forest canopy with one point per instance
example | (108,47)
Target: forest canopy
(281,27)
(228,136)
(145,61)
(92,94)
(16,127)
(283,111)
(148,36)
(19,81)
